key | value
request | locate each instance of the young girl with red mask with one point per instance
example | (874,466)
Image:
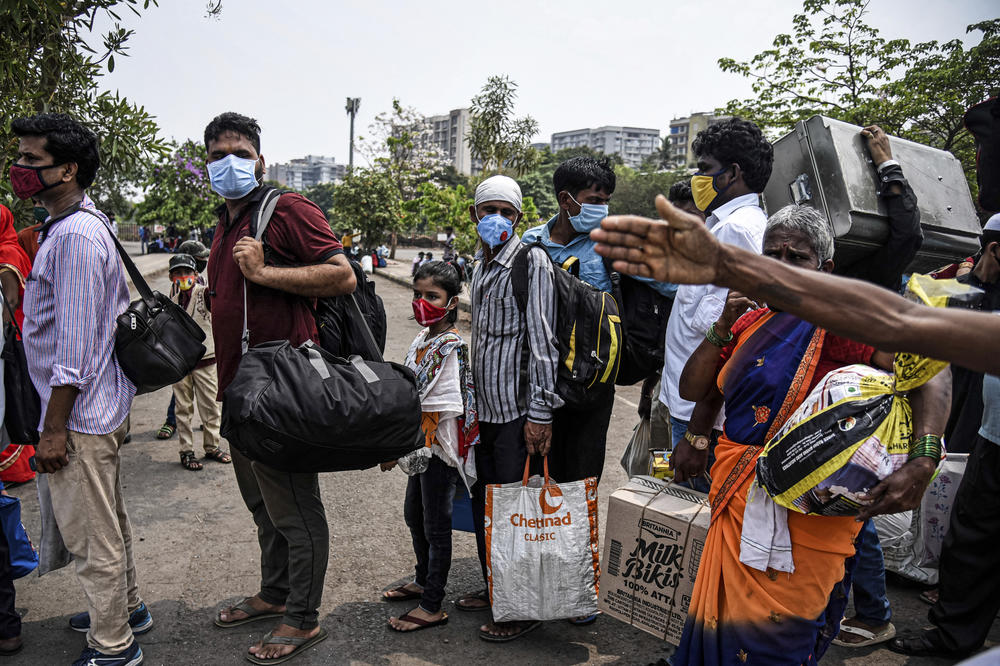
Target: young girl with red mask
(440,359)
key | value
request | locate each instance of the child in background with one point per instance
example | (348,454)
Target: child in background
(440,359)
(417,261)
(202,384)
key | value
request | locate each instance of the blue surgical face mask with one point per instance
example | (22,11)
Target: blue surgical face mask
(589,217)
(495,229)
(233,177)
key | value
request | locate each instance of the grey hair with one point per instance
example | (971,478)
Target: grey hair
(810,223)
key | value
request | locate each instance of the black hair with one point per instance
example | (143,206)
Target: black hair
(420,254)
(578,173)
(989,236)
(738,141)
(680,192)
(67,140)
(230,121)
(444,275)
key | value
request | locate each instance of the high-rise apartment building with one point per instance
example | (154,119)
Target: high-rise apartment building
(304,172)
(682,134)
(447,132)
(634,144)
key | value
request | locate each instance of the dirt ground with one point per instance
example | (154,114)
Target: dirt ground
(196,548)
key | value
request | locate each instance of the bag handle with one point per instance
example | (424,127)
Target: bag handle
(133,272)
(10,310)
(258,227)
(355,310)
(545,470)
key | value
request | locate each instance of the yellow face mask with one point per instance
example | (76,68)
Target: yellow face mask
(703,188)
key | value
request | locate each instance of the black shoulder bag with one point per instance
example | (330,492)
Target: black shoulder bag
(157,343)
(23,407)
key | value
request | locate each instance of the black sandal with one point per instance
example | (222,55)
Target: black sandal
(218,455)
(190,462)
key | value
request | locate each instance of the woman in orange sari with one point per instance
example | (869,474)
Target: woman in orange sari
(787,610)
(14,269)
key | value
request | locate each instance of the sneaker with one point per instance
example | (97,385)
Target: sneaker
(139,620)
(130,657)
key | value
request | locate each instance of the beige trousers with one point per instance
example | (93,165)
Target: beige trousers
(90,512)
(201,385)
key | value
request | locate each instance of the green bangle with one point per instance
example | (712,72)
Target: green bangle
(928,446)
(717,339)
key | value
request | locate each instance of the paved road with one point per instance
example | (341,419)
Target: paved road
(196,547)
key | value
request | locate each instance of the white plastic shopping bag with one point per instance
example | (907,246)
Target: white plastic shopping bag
(935,508)
(542,558)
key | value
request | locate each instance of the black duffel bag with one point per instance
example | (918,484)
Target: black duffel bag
(157,343)
(23,413)
(301,409)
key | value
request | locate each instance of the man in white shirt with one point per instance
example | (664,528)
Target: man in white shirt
(734,165)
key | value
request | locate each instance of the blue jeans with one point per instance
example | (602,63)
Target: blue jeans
(871,605)
(677,430)
(171,413)
(427,511)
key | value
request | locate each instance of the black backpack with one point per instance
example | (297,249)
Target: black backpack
(644,313)
(588,332)
(339,331)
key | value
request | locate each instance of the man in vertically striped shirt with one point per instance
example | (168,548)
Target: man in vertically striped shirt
(73,295)
(515,416)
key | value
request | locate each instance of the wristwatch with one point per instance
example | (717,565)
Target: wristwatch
(697,442)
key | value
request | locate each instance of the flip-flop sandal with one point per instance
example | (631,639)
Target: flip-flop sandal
(404,594)
(166,431)
(252,615)
(492,638)
(421,624)
(300,644)
(482,595)
(870,637)
(930,596)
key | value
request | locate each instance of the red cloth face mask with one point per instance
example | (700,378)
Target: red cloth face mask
(427,313)
(27,181)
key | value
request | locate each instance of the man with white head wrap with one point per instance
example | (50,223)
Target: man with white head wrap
(515,416)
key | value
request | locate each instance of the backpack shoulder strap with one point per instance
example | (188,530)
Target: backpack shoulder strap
(258,226)
(519,275)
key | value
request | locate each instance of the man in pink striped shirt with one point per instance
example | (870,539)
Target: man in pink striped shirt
(73,295)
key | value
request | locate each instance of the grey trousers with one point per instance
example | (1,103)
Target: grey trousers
(293,535)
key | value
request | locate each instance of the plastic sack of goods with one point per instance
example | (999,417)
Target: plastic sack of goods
(855,427)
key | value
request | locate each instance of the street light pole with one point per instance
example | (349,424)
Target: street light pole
(352,110)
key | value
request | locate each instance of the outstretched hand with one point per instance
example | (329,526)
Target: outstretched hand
(678,249)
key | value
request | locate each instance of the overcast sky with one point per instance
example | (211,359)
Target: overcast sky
(584,63)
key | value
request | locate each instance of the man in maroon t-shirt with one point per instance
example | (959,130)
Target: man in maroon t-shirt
(306,262)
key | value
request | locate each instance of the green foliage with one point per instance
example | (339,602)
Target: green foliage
(635,191)
(835,64)
(941,83)
(178,191)
(832,64)
(495,137)
(368,200)
(322,195)
(537,185)
(399,146)
(50,61)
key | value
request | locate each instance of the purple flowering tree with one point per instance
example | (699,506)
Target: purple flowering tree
(177,191)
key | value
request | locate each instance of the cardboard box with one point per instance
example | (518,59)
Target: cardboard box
(653,542)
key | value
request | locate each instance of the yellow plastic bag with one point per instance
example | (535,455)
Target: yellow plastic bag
(855,427)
